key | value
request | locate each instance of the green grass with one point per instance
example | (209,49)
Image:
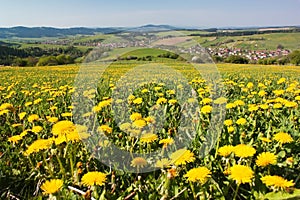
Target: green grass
(82,39)
(179,33)
(133,51)
(269,42)
(145,52)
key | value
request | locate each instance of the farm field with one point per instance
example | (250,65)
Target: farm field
(245,144)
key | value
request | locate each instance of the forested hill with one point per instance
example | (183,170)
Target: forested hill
(38,32)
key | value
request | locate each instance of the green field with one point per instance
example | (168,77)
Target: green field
(254,42)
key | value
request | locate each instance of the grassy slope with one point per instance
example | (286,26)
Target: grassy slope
(270,42)
(145,52)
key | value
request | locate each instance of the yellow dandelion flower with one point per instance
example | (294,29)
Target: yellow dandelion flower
(139,162)
(139,123)
(135,116)
(250,85)
(220,100)
(52,108)
(241,174)
(36,129)
(206,109)
(297,98)
(52,186)
(148,138)
(261,85)
(241,121)
(172,101)
(160,94)
(94,178)
(277,105)
(60,139)
(105,129)
(6,106)
(199,174)
(125,126)
(163,163)
(277,182)
(38,145)
(28,104)
(266,158)
(22,115)
(239,103)
(71,107)
(52,119)
(16,125)
(182,157)
(166,142)
(15,139)
(244,151)
(264,139)
(145,90)
(67,114)
(290,104)
(281,80)
(230,129)
(171,92)
(161,100)
(230,105)
(244,89)
(24,133)
(228,122)
(32,118)
(150,119)
(131,97)
(264,106)
(37,101)
(63,128)
(279,100)
(138,101)
(253,107)
(225,150)
(157,88)
(206,101)
(104,103)
(76,137)
(262,93)
(283,138)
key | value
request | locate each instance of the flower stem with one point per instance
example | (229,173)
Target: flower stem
(236,191)
(193,189)
(62,170)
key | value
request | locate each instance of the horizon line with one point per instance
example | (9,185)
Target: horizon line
(143,25)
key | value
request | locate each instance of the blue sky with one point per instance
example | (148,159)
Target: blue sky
(100,13)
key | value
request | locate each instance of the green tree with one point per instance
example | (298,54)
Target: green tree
(295,57)
(237,59)
(280,46)
(64,59)
(217,59)
(47,61)
(20,62)
(32,61)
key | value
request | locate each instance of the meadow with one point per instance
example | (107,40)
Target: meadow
(56,144)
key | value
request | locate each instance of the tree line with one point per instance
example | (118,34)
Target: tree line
(36,56)
(217,33)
